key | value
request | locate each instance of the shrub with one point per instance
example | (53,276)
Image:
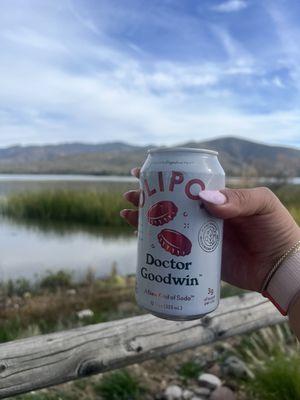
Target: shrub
(55,280)
(120,385)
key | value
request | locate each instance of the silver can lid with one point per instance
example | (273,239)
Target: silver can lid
(182,149)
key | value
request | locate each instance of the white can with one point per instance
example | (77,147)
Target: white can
(179,243)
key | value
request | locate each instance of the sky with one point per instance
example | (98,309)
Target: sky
(149,71)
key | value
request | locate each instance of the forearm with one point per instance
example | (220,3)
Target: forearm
(294,317)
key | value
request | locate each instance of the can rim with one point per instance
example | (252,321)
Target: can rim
(182,149)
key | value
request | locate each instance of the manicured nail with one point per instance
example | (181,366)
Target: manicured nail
(126,194)
(133,171)
(124,213)
(213,197)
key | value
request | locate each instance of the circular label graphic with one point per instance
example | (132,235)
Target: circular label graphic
(209,236)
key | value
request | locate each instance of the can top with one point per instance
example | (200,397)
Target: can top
(182,149)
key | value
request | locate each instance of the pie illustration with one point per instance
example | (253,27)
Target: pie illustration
(174,242)
(161,213)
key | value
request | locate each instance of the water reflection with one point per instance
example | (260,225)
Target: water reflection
(59,228)
(29,249)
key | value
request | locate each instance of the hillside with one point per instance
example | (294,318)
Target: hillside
(239,157)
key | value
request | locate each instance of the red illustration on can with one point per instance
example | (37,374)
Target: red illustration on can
(161,213)
(174,242)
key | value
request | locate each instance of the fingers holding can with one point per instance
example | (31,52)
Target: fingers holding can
(131,216)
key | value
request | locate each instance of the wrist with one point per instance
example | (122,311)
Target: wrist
(293,314)
(282,284)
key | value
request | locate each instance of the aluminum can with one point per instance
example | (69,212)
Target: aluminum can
(179,243)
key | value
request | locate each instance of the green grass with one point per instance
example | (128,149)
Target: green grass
(56,280)
(279,378)
(119,385)
(91,208)
(97,208)
(189,370)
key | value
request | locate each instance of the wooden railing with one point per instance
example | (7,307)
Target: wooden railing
(47,360)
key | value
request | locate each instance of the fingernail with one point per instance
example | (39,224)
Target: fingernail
(133,171)
(213,197)
(125,195)
(124,213)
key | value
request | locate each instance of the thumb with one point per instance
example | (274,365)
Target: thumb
(231,203)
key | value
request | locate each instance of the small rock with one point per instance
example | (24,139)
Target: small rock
(233,366)
(210,381)
(85,313)
(173,392)
(71,292)
(197,398)
(215,369)
(27,295)
(222,393)
(202,391)
(187,394)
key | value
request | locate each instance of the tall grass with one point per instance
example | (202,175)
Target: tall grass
(279,378)
(96,208)
(91,208)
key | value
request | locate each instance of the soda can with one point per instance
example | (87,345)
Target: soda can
(179,243)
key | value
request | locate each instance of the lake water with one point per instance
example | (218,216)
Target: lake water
(27,250)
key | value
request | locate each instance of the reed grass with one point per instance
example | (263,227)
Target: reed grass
(91,208)
(96,208)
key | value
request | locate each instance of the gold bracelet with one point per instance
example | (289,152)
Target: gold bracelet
(294,249)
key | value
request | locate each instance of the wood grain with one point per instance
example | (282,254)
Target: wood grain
(47,360)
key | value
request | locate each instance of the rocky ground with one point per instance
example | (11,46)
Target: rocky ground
(221,374)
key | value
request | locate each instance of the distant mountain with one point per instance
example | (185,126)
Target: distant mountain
(239,158)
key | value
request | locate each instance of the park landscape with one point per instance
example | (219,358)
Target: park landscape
(60,299)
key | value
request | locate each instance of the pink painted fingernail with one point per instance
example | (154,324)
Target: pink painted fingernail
(133,171)
(213,197)
(124,213)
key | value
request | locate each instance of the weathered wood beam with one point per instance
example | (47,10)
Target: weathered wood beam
(42,361)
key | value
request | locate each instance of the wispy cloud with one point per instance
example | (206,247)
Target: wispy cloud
(230,6)
(96,71)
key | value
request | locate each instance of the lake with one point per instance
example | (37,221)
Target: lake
(28,250)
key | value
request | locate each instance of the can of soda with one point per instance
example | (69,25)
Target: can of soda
(179,243)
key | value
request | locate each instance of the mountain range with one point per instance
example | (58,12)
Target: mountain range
(238,157)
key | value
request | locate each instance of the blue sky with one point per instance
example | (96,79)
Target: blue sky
(149,71)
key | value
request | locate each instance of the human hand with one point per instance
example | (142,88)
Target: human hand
(258,229)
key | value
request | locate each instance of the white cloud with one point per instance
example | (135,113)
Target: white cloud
(230,6)
(73,83)
(288,32)
(31,38)
(278,82)
(240,58)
